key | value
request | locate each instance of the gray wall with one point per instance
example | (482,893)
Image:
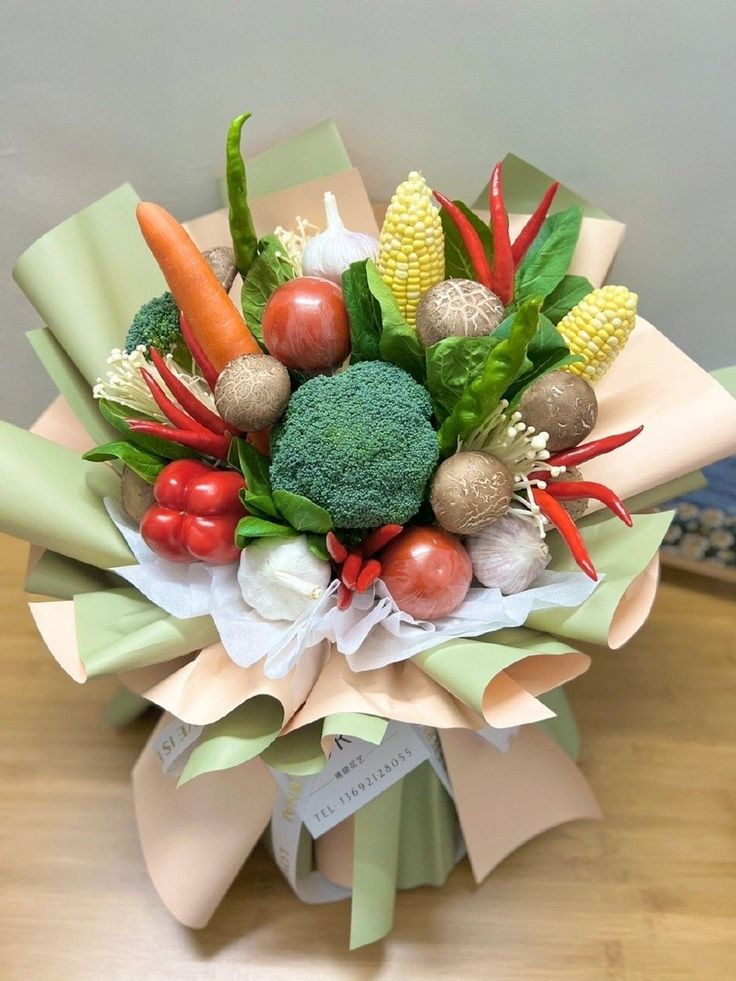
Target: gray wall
(631,103)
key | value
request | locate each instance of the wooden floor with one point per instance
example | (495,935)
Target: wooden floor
(649,894)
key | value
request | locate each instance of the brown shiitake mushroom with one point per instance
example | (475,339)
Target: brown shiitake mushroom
(221,261)
(136,495)
(252,392)
(562,405)
(457,308)
(470,491)
(577,508)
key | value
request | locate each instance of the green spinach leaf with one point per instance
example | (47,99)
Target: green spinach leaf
(457,261)
(301,513)
(568,292)
(547,351)
(364,314)
(548,259)
(146,465)
(250,528)
(503,365)
(451,363)
(318,547)
(260,505)
(270,269)
(253,466)
(398,342)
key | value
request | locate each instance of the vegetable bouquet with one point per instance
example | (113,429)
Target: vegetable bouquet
(345,502)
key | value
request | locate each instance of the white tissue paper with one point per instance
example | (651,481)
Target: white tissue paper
(371,633)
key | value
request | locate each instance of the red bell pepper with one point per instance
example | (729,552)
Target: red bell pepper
(195,515)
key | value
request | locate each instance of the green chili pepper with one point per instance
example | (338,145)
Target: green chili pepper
(484,391)
(242,230)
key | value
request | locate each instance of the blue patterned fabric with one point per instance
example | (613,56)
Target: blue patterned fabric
(704,529)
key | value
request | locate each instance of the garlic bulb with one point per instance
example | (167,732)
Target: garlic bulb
(280,578)
(508,555)
(331,252)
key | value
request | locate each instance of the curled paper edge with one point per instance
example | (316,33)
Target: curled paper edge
(510,698)
(196,838)
(207,687)
(505,799)
(56,624)
(634,606)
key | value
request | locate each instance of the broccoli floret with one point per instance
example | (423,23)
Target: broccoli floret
(156,325)
(360,444)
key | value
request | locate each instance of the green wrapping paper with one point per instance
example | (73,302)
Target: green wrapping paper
(236,738)
(428,832)
(562,727)
(368,727)
(299,752)
(124,708)
(49,496)
(317,152)
(71,384)
(375,866)
(467,667)
(119,629)
(63,578)
(87,278)
(621,557)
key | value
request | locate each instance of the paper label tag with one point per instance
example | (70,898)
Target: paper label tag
(358,771)
(173,746)
(501,739)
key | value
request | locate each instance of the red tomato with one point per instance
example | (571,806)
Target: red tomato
(427,571)
(305,325)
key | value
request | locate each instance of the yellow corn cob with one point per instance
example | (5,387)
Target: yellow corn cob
(412,256)
(597,328)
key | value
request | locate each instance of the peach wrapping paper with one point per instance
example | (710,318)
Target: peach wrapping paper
(505,799)
(195,838)
(400,691)
(55,623)
(59,424)
(502,800)
(634,606)
(510,697)
(210,685)
(689,418)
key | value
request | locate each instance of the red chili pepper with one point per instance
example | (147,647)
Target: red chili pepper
(571,490)
(207,443)
(188,400)
(471,241)
(351,569)
(503,262)
(175,415)
(530,231)
(338,552)
(195,515)
(368,575)
(344,597)
(196,350)
(380,538)
(587,451)
(562,521)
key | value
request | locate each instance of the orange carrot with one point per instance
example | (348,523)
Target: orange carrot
(210,313)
